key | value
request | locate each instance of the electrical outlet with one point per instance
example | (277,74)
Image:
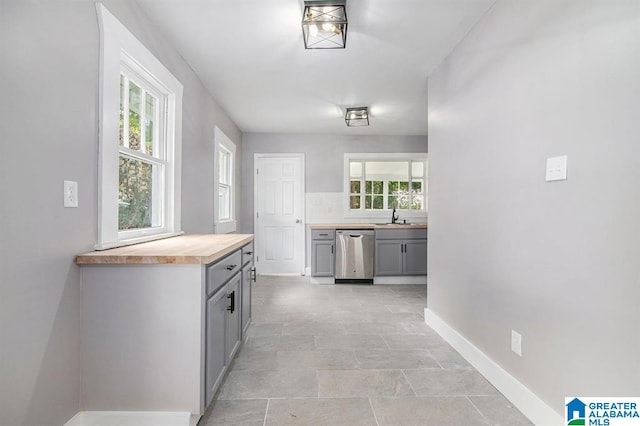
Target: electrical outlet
(516,343)
(70,193)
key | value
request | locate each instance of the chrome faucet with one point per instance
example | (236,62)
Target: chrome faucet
(394,216)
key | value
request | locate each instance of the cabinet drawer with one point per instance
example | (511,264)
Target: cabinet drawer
(401,234)
(247,253)
(323,234)
(220,272)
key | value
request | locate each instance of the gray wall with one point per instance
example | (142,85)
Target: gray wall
(48,119)
(324,156)
(556,261)
(200,115)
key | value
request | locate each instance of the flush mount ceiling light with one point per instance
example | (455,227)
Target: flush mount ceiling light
(358,116)
(324,24)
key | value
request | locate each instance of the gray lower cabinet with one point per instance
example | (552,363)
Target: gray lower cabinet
(401,252)
(323,253)
(216,327)
(415,257)
(245,310)
(248,277)
(234,330)
(223,327)
(389,257)
(323,262)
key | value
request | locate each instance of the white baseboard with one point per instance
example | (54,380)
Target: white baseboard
(520,396)
(406,279)
(132,418)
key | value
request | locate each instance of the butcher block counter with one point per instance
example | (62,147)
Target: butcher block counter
(184,249)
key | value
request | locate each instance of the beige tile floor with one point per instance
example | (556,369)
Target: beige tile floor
(350,355)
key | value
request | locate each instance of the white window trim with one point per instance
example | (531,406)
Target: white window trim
(384,213)
(224,226)
(118,46)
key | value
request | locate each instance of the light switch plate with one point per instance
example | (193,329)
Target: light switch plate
(556,168)
(516,342)
(70,193)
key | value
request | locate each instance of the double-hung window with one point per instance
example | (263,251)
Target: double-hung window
(378,183)
(141,155)
(139,141)
(224,183)
(225,186)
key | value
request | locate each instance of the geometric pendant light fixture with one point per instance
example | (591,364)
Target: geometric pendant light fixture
(324,24)
(358,116)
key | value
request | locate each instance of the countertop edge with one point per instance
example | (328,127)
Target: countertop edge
(367,226)
(205,260)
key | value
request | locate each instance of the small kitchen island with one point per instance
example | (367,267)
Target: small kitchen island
(162,321)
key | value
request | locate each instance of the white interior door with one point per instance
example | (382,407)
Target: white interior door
(279,213)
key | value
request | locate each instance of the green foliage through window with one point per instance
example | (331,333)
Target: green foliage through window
(138,111)
(354,202)
(399,196)
(386,184)
(134,194)
(374,199)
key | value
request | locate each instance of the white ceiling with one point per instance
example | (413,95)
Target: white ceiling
(251,57)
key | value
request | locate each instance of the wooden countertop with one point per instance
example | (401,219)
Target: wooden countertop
(367,226)
(184,249)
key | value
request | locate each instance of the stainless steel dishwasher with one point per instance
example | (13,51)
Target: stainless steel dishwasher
(354,256)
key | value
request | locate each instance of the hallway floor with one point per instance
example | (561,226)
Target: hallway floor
(350,355)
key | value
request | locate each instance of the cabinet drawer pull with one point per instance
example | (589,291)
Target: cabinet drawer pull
(231,267)
(232,306)
(248,252)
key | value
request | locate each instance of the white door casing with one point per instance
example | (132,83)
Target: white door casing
(279,220)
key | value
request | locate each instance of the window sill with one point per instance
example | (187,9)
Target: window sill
(138,240)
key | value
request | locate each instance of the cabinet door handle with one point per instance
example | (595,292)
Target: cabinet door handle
(331,248)
(253,274)
(401,248)
(232,306)
(405,247)
(231,267)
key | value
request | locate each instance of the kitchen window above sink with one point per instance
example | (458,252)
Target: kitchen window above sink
(377,183)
